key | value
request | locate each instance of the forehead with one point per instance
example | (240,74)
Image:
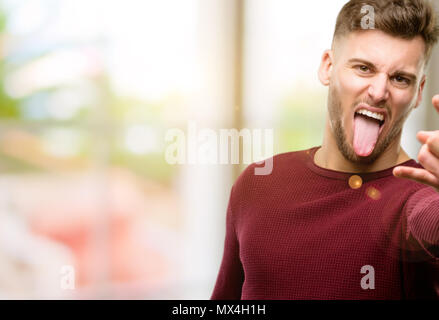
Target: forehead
(384,51)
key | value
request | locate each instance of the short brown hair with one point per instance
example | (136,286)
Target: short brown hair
(400,18)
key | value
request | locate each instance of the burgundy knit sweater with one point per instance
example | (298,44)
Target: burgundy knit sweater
(304,233)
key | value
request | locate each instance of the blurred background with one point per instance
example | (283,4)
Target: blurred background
(89,208)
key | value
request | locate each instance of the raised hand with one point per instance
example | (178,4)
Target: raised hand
(428,157)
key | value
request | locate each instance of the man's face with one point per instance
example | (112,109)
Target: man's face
(373,72)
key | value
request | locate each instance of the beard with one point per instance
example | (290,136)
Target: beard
(339,131)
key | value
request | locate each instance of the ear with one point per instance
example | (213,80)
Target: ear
(326,67)
(420,91)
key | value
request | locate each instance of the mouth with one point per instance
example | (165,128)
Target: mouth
(371,116)
(377,114)
(368,124)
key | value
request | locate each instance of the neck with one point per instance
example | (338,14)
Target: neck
(330,157)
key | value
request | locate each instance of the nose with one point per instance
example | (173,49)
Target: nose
(378,89)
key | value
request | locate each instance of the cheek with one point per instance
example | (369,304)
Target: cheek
(352,83)
(402,102)
(350,89)
(350,86)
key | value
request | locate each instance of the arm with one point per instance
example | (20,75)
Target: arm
(422,212)
(422,209)
(231,275)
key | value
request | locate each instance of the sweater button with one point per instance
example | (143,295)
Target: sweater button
(355,182)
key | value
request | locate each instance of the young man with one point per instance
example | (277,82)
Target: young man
(355,218)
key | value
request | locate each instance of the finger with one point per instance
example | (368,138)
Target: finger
(436,102)
(433,144)
(423,136)
(429,161)
(416,174)
(430,138)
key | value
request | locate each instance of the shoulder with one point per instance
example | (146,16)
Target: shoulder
(261,181)
(270,173)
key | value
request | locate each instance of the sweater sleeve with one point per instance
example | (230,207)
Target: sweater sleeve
(422,212)
(231,275)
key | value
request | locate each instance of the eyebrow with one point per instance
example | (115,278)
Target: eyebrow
(409,75)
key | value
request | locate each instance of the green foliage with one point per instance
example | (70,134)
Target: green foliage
(13,165)
(9,108)
(301,120)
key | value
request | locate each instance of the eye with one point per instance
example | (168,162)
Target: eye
(363,68)
(401,80)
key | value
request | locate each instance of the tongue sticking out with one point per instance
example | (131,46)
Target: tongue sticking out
(365,135)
